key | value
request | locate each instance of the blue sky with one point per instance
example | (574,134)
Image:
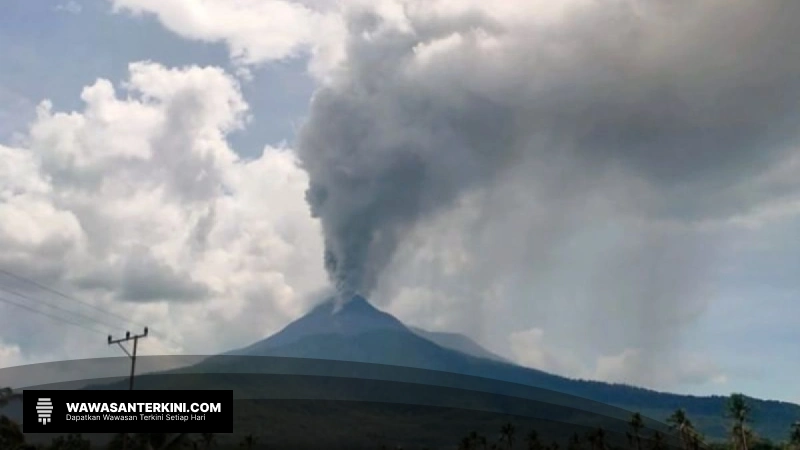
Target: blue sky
(734,326)
(36,36)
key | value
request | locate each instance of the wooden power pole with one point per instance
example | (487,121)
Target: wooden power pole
(132,356)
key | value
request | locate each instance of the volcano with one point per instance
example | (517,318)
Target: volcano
(353,319)
(336,363)
(351,323)
(359,332)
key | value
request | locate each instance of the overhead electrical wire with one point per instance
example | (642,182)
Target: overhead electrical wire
(44,287)
(52,316)
(69,297)
(60,308)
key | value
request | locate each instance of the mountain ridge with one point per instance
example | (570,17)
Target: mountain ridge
(359,332)
(352,318)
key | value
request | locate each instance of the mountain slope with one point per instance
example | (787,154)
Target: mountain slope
(356,317)
(360,333)
(458,342)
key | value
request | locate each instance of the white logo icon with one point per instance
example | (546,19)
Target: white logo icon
(44,407)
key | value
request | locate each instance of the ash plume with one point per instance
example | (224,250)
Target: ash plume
(680,100)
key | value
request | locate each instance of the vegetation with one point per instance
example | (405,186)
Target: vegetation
(739,410)
(6,395)
(635,435)
(639,436)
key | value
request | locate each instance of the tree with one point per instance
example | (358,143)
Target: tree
(574,442)
(739,410)
(597,438)
(636,424)
(507,434)
(11,436)
(794,436)
(483,442)
(695,440)
(466,444)
(658,441)
(475,440)
(6,395)
(533,441)
(680,422)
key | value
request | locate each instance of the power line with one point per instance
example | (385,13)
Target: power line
(126,320)
(67,297)
(62,319)
(52,316)
(84,316)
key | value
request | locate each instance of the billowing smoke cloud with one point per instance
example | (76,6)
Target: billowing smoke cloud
(673,110)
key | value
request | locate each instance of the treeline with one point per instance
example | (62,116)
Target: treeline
(738,412)
(682,435)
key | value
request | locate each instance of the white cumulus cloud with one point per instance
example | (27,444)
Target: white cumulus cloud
(138,205)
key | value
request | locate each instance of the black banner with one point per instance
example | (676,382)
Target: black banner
(112,411)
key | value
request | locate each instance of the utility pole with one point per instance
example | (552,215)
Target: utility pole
(132,356)
(135,339)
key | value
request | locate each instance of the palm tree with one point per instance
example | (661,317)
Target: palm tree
(636,424)
(680,421)
(794,436)
(695,440)
(507,434)
(739,410)
(737,438)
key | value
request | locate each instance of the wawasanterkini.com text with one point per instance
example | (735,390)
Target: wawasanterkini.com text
(139,411)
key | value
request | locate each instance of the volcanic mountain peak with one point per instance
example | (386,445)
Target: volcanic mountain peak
(352,318)
(355,331)
(356,305)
